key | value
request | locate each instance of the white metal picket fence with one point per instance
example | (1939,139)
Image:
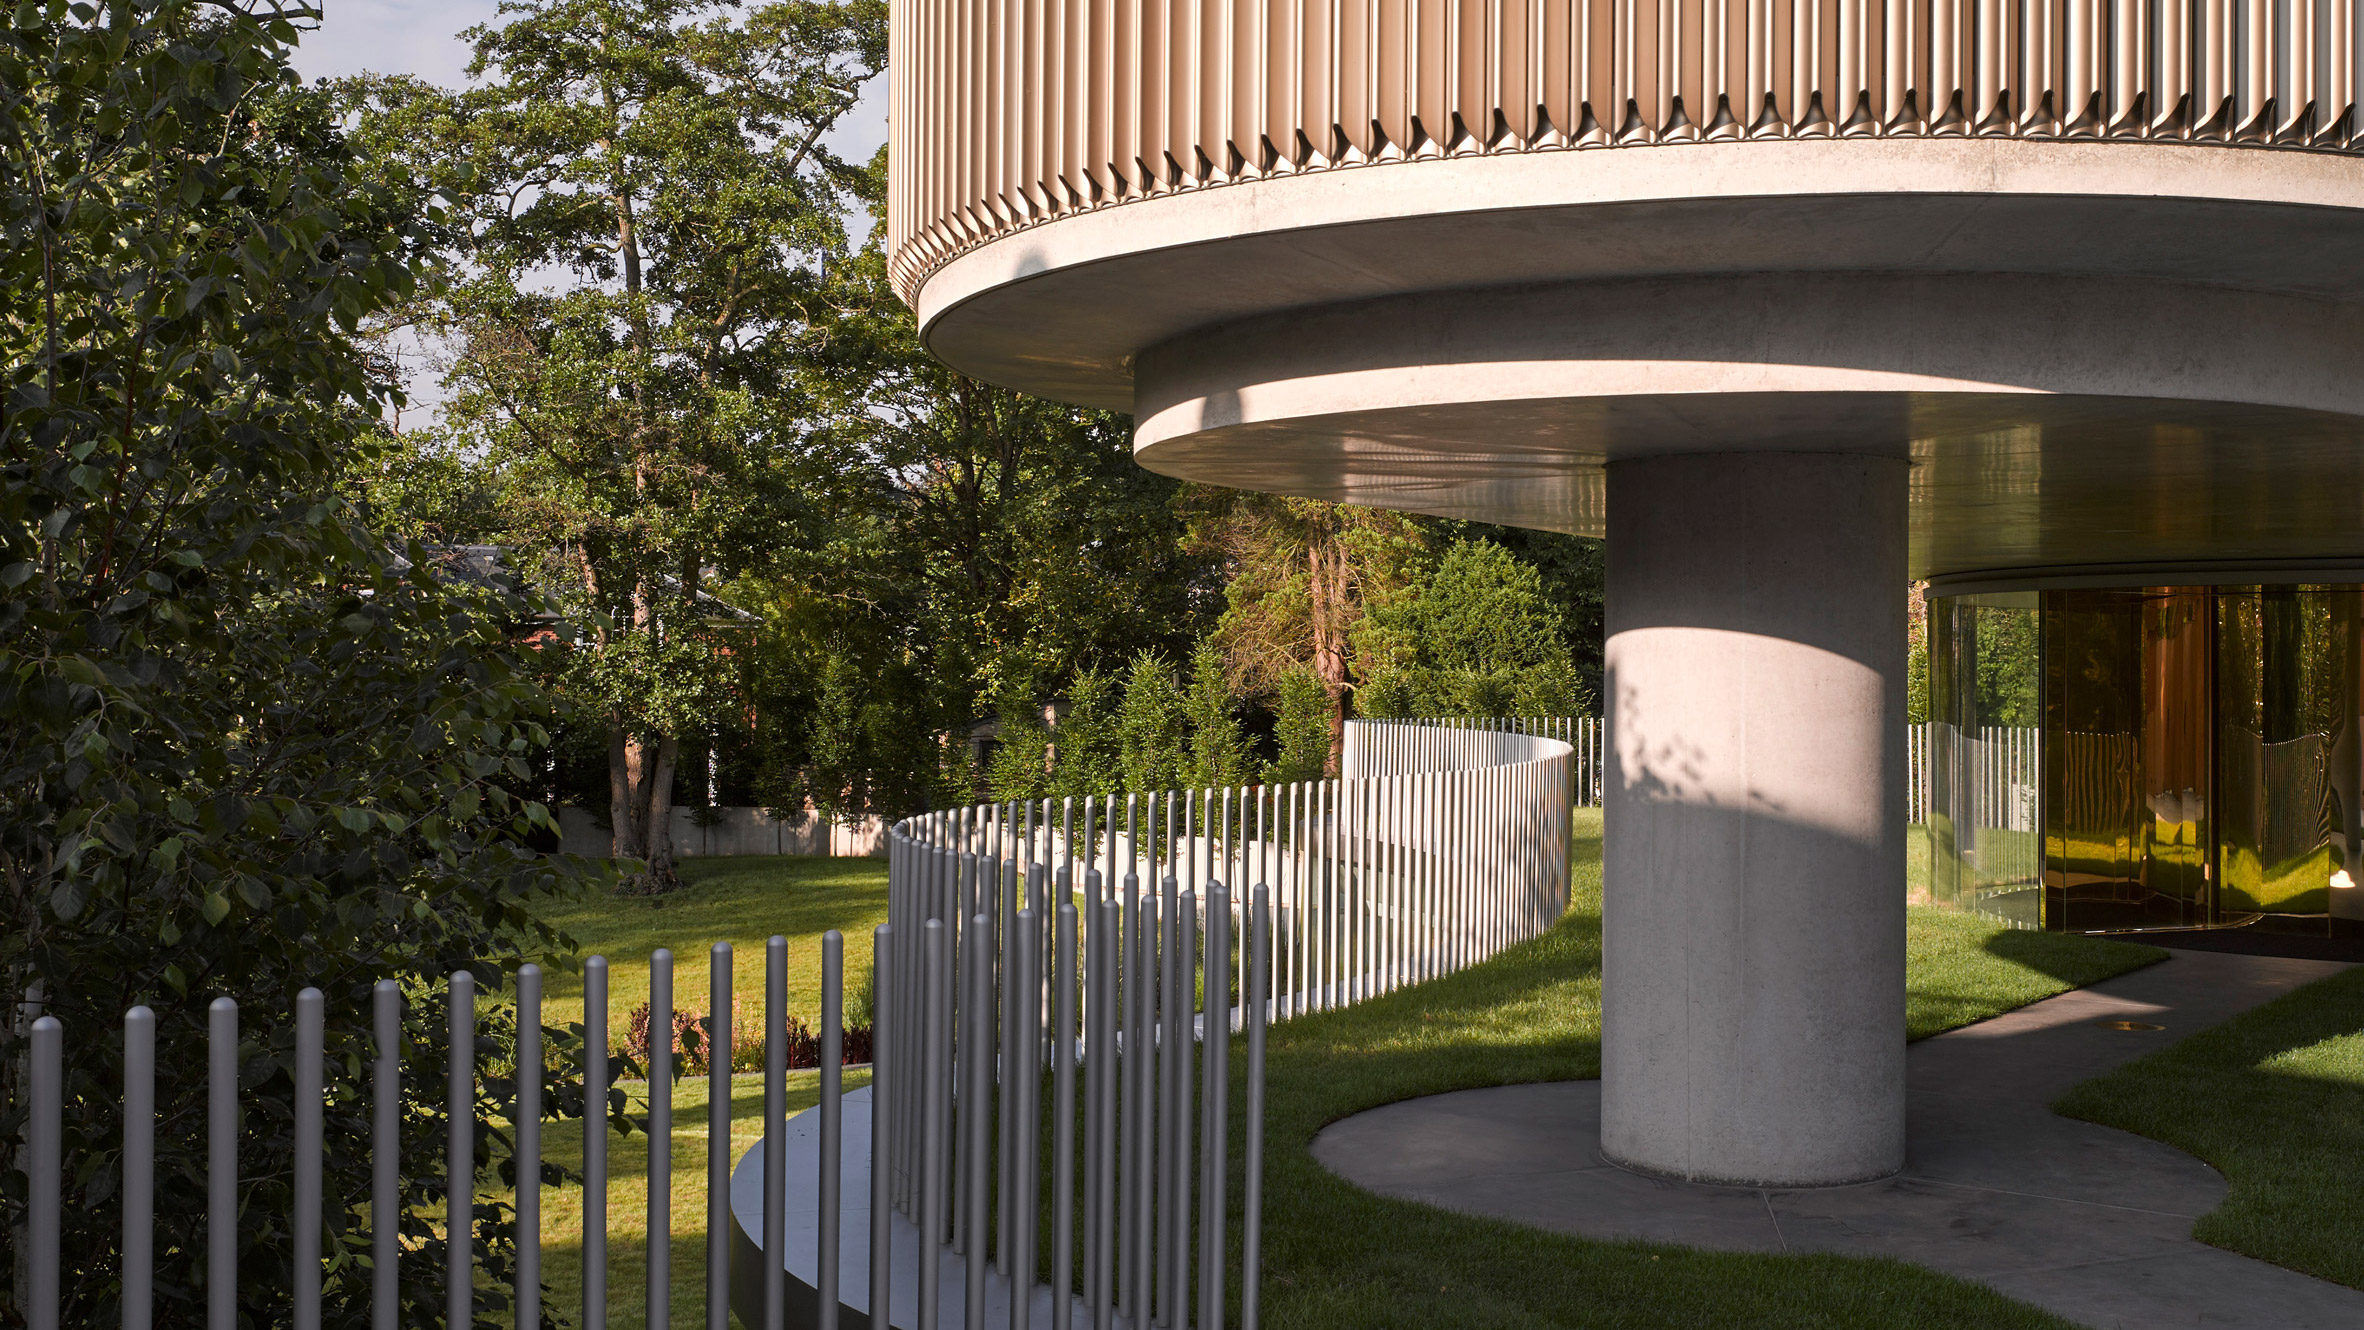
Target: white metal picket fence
(1443,843)
(1085,951)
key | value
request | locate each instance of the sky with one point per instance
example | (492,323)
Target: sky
(421,37)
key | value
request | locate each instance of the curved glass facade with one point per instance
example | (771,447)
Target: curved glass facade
(2153,757)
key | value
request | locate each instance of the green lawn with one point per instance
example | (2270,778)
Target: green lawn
(1339,1258)
(2274,1099)
(1962,967)
(742,901)
(627,1199)
(1336,1256)
(739,900)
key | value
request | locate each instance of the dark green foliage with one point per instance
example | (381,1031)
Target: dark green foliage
(1150,725)
(995,546)
(1085,744)
(1475,638)
(1301,730)
(244,747)
(1218,750)
(1573,574)
(1020,767)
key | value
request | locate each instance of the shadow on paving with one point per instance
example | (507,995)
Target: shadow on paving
(2274,1099)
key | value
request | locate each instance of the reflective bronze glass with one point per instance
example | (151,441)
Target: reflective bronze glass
(2201,753)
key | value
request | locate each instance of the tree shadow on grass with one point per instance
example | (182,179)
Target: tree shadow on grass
(2073,959)
(2274,1100)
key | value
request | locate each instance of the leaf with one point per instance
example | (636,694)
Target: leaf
(68,899)
(215,907)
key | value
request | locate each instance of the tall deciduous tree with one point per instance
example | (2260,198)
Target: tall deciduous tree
(245,748)
(990,545)
(648,208)
(1301,575)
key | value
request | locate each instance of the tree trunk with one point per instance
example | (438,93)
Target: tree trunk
(1324,577)
(623,827)
(656,810)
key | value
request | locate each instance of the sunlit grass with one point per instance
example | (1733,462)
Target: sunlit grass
(739,900)
(627,1199)
(2274,1099)
(1339,1258)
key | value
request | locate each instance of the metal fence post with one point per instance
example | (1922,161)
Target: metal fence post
(306,1218)
(139,1168)
(221,1165)
(527,1165)
(45,1172)
(459,1196)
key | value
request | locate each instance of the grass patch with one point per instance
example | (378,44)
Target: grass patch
(1961,967)
(1339,1258)
(2274,1100)
(742,900)
(627,1199)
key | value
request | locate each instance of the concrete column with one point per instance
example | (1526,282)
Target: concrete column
(1752,1005)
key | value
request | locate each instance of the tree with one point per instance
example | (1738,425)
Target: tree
(1085,753)
(245,746)
(1218,749)
(1475,638)
(647,206)
(1301,730)
(1300,576)
(997,548)
(1150,726)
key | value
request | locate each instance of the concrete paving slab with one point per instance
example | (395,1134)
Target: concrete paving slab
(2089,1223)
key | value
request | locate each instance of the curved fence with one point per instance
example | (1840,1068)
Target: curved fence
(1026,938)
(1077,952)
(1008,112)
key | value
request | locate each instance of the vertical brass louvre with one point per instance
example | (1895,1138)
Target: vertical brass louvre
(1008,112)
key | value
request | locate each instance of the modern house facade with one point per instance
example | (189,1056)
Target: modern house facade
(2040,299)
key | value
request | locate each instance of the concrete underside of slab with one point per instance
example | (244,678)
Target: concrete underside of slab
(2086,1222)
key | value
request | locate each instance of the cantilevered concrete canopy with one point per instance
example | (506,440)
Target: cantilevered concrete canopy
(2090,351)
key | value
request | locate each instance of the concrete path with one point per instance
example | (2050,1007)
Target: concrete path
(2089,1223)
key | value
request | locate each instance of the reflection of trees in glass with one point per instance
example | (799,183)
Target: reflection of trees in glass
(2005,661)
(2097,661)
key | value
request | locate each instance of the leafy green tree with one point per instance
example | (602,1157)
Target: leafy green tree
(1572,572)
(646,211)
(1218,748)
(1020,768)
(1000,542)
(1475,638)
(1085,739)
(1301,730)
(245,746)
(1150,726)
